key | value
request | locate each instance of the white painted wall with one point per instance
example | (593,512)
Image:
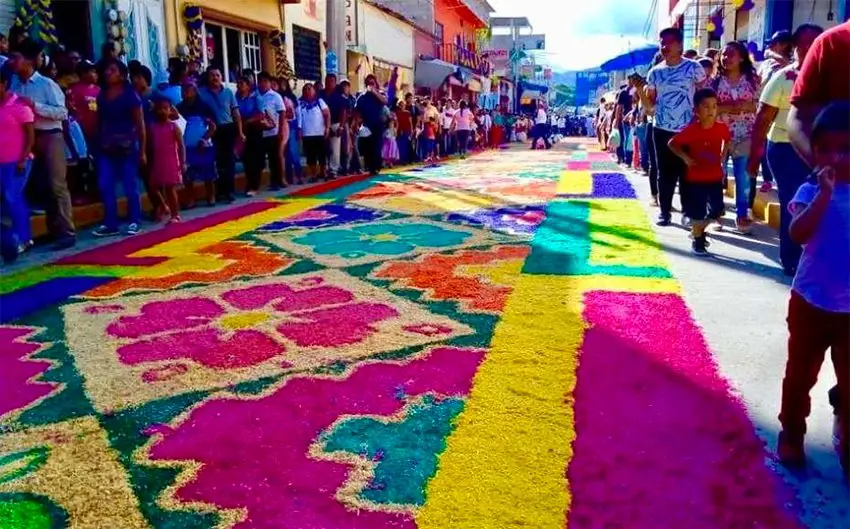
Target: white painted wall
(310,14)
(815,12)
(386,37)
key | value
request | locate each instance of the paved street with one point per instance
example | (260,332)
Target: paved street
(505,341)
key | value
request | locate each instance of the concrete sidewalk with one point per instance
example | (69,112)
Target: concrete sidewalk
(739,297)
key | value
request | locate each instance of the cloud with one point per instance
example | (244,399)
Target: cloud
(582,33)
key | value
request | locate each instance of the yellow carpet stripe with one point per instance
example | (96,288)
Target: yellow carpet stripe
(622,235)
(504,465)
(215,234)
(575,183)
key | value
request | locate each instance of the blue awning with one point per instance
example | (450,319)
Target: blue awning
(632,59)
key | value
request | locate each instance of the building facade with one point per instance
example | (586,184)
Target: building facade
(389,42)
(305,26)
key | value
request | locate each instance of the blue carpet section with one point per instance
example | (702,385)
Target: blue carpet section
(25,301)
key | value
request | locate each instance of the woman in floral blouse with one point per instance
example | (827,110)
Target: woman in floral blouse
(738,90)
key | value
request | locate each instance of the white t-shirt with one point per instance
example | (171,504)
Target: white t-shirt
(312,120)
(448,116)
(273,105)
(541,117)
(675,87)
(464,119)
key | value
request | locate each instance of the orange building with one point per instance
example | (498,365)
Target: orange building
(455,26)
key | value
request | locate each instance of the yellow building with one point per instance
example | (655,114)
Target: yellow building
(234,34)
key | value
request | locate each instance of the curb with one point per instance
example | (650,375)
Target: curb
(766,208)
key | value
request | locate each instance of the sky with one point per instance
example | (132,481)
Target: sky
(581,33)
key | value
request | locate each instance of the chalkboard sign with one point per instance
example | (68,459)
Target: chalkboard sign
(307,46)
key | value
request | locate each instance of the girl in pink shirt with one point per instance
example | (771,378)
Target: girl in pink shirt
(16,122)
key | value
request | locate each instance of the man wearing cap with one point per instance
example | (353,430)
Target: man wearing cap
(777,55)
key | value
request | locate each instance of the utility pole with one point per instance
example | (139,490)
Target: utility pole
(336,33)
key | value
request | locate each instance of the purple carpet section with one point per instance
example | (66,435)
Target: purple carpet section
(608,185)
(662,442)
(25,301)
(521,220)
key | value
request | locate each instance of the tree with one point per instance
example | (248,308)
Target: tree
(564,95)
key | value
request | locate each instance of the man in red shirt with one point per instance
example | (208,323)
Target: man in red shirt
(824,78)
(703,145)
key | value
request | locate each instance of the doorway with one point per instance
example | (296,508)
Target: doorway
(73,26)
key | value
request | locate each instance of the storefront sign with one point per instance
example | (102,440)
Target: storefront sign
(351,36)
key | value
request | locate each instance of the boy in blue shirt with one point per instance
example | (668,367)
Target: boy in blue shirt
(819,310)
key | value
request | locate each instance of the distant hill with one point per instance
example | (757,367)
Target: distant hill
(566,78)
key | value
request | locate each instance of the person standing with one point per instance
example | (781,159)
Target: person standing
(254,123)
(121,148)
(16,122)
(788,168)
(738,90)
(167,156)
(340,110)
(44,97)
(669,89)
(197,140)
(404,138)
(228,130)
(276,132)
(539,130)
(292,152)
(315,129)
(370,107)
(462,124)
(625,102)
(449,143)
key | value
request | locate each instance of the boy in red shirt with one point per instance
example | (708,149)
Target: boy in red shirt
(703,146)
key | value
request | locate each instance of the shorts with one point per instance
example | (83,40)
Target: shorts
(704,200)
(430,146)
(314,149)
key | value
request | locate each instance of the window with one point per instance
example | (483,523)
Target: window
(231,50)
(439,31)
(307,50)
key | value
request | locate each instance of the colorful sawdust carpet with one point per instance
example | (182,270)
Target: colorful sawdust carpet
(490,344)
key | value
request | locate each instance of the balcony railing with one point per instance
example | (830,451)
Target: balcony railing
(454,54)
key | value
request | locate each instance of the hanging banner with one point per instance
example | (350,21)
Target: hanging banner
(351,36)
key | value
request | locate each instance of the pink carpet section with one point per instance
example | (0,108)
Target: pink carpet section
(578,166)
(661,440)
(272,476)
(118,253)
(19,386)
(599,157)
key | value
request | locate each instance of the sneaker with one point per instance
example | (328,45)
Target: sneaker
(663,221)
(174,220)
(63,243)
(104,231)
(254,193)
(744,225)
(654,202)
(132,229)
(698,247)
(790,450)
(686,221)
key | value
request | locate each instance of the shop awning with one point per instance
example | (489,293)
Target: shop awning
(432,73)
(532,90)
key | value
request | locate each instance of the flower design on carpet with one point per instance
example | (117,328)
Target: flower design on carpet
(219,262)
(368,243)
(329,215)
(481,280)
(430,201)
(20,388)
(256,458)
(520,221)
(155,345)
(64,475)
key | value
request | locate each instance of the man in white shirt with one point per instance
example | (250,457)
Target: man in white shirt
(539,131)
(47,102)
(274,138)
(448,143)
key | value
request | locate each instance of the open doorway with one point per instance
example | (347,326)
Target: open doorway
(73,26)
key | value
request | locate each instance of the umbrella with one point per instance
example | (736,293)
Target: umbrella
(632,59)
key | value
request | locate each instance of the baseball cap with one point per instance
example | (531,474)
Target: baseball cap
(783,36)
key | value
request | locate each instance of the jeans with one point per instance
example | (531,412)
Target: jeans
(651,162)
(13,202)
(624,151)
(271,151)
(293,155)
(462,141)
(671,171)
(811,332)
(742,186)
(225,159)
(790,172)
(110,170)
